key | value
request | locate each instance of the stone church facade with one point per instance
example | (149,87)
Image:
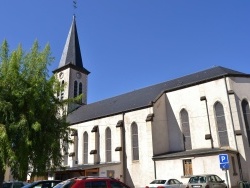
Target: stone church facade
(172,129)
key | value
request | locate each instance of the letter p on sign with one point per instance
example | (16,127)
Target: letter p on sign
(223,158)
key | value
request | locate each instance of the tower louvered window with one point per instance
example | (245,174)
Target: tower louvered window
(85,148)
(108,145)
(62,90)
(185,130)
(221,124)
(80,88)
(246,115)
(135,143)
(75,88)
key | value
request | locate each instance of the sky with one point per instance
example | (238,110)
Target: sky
(131,44)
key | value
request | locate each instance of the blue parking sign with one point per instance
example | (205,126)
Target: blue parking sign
(224,166)
(224,162)
(223,158)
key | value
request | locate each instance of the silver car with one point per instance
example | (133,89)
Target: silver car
(205,181)
(165,183)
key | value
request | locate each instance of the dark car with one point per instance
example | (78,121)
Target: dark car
(42,184)
(91,182)
(13,184)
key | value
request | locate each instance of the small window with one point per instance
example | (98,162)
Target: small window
(187,167)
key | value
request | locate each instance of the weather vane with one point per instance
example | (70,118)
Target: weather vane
(75,4)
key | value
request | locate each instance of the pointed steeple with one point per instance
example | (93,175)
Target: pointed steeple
(71,55)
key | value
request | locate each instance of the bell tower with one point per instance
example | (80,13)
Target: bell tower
(71,71)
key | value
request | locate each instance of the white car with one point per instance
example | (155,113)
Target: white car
(165,183)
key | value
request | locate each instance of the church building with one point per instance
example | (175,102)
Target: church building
(173,129)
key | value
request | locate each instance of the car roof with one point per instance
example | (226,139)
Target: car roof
(203,175)
(93,177)
(162,179)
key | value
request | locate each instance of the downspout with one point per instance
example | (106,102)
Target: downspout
(152,102)
(155,169)
(231,117)
(124,158)
(208,119)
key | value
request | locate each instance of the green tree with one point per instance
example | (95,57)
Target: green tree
(32,121)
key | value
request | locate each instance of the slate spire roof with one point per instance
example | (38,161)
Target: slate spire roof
(71,55)
(145,97)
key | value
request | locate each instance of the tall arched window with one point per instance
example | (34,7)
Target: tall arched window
(75,88)
(80,88)
(108,145)
(135,143)
(246,115)
(85,147)
(65,152)
(62,90)
(185,130)
(221,124)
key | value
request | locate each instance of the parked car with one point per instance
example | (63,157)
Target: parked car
(91,182)
(13,184)
(42,184)
(206,181)
(165,183)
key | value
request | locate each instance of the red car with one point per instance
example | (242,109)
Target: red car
(91,182)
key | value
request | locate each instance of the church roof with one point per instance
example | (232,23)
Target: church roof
(71,56)
(144,97)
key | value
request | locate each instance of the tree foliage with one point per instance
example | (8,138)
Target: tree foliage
(31,128)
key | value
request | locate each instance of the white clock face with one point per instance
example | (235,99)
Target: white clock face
(78,75)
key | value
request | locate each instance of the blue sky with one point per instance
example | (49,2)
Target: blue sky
(131,44)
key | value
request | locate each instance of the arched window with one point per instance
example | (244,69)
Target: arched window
(185,130)
(246,115)
(108,145)
(75,88)
(221,124)
(65,152)
(85,147)
(62,90)
(80,88)
(135,143)
(76,148)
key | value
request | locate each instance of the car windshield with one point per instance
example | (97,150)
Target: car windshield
(197,179)
(7,185)
(13,184)
(65,184)
(30,185)
(158,182)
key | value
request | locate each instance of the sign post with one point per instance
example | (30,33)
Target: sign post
(224,164)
